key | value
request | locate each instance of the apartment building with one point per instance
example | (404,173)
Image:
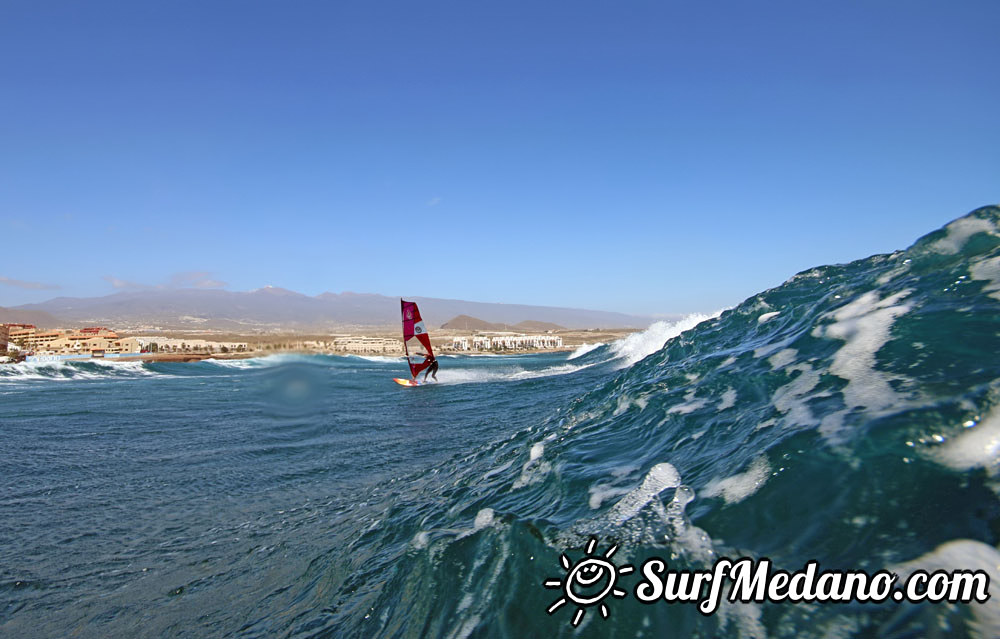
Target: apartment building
(373,345)
(506,341)
(8,330)
(95,341)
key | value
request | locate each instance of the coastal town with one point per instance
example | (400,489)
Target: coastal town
(27,342)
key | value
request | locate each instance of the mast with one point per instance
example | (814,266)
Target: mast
(406,347)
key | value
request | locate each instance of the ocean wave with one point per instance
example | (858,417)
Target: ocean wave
(72,370)
(826,419)
(638,346)
(263,361)
(511,373)
(583,349)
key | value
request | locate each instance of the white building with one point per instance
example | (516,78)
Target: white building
(524,342)
(507,342)
(363,344)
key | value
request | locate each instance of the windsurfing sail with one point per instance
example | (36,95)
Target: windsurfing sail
(413,327)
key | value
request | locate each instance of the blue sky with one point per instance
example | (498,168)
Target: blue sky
(645,157)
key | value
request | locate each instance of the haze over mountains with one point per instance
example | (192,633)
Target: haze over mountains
(466,323)
(38,318)
(272,308)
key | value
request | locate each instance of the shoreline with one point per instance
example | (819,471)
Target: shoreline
(198,357)
(184,347)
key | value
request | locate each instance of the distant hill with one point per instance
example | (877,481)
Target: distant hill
(538,327)
(40,319)
(272,308)
(466,323)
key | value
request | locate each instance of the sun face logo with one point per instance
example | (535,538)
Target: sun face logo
(588,582)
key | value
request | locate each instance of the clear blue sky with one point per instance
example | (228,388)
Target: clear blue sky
(646,157)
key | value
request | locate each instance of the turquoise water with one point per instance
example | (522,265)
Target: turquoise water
(849,416)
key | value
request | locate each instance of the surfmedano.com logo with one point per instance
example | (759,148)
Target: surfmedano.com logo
(591,580)
(588,582)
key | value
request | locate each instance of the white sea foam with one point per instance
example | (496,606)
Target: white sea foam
(484,518)
(478,375)
(421,539)
(738,487)
(132,368)
(767,423)
(509,373)
(689,405)
(988,270)
(767,350)
(72,370)
(536,468)
(563,369)
(624,402)
(766,316)
(23,372)
(975,447)
(583,349)
(729,361)
(966,554)
(241,364)
(637,346)
(790,399)
(659,478)
(599,493)
(260,362)
(782,358)
(728,399)
(380,359)
(864,325)
(233,363)
(661,522)
(959,232)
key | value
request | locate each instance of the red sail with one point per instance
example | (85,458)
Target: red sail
(413,326)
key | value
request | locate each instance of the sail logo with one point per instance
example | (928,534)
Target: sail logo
(588,582)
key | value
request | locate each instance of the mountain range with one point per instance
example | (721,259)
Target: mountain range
(466,323)
(273,308)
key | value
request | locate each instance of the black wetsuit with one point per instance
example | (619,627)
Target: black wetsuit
(432,369)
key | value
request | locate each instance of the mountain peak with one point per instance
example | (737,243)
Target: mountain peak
(276,290)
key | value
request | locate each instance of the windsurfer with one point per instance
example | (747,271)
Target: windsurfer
(432,366)
(413,328)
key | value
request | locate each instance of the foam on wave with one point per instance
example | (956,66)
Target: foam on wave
(583,349)
(72,370)
(638,346)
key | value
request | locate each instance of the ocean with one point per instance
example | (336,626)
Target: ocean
(850,416)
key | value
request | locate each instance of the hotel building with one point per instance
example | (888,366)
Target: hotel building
(85,343)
